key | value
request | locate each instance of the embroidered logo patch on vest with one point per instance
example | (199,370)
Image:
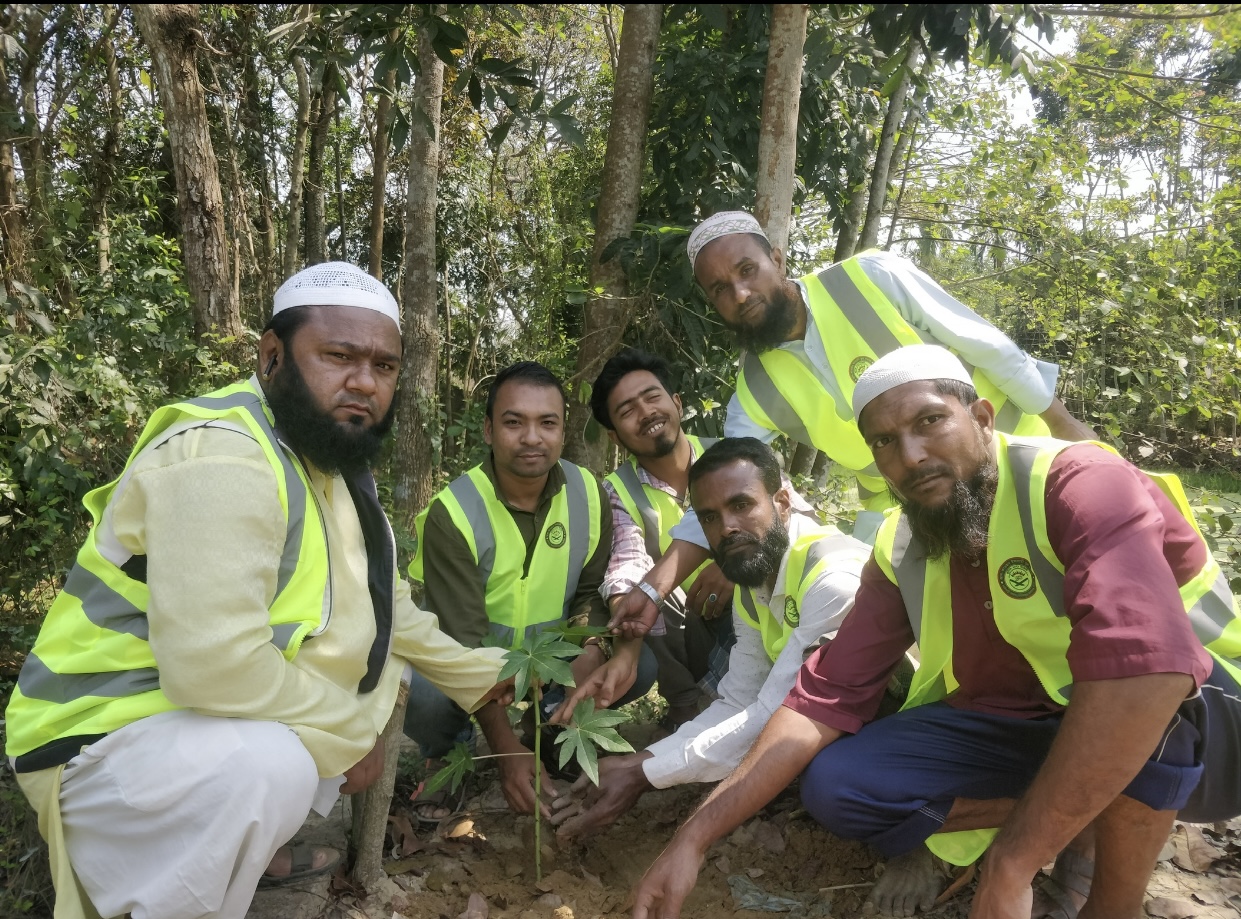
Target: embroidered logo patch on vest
(556,535)
(791,615)
(858,366)
(1017,578)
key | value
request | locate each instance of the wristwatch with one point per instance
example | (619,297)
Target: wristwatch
(604,646)
(652,593)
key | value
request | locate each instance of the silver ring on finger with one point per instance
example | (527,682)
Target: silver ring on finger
(711,598)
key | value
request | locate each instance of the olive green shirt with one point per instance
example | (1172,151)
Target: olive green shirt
(456,594)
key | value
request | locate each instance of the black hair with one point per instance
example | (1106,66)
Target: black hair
(619,366)
(964,393)
(530,372)
(763,242)
(287,322)
(730,450)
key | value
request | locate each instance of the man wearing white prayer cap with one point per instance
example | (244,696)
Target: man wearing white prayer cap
(1078,686)
(233,635)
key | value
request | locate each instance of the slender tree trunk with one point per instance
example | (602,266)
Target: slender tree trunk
(172,33)
(417,408)
(379,163)
(607,316)
(110,154)
(370,808)
(316,192)
(13,257)
(777,137)
(875,201)
(855,210)
(257,162)
(297,170)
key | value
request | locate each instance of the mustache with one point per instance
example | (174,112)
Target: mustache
(925,474)
(737,539)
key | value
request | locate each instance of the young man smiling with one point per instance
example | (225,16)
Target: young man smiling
(517,543)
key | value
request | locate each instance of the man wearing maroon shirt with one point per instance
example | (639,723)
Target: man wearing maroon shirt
(1066,692)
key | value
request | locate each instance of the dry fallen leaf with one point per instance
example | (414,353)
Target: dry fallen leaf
(1165,908)
(1193,852)
(768,836)
(723,865)
(476,908)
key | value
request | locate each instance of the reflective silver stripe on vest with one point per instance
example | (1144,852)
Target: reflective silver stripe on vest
(1050,581)
(1008,417)
(628,477)
(778,408)
(103,606)
(295,490)
(909,566)
(282,633)
(1213,612)
(37,681)
(858,310)
(474,505)
(579,528)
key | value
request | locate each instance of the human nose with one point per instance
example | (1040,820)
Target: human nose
(530,434)
(911,451)
(362,379)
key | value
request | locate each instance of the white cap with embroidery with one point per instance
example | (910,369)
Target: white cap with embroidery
(725,223)
(336,284)
(909,364)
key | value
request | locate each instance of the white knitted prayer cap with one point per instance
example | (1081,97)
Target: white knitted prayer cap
(336,284)
(725,223)
(909,364)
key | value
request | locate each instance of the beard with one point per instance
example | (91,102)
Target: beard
(662,445)
(773,329)
(330,445)
(959,525)
(756,567)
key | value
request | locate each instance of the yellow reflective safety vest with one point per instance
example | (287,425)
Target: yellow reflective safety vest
(91,670)
(521,596)
(814,552)
(857,323)
(653,509)
(1027,590)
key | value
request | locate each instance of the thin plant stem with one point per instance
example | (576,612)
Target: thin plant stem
(538,788)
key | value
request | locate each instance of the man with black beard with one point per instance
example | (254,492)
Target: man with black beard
(232,638)
(795,581)
(1078,686)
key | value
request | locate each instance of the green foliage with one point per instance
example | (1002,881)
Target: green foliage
(591,730)
(541,658)
(458,763)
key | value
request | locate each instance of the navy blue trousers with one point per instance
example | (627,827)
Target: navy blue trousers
(893,783)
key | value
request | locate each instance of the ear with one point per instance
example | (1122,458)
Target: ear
(612,437)
(676,400)
(777,256)
(783,502)
(487,430)
(983,412)
(271,348)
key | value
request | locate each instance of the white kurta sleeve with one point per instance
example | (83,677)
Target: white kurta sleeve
(1030,383)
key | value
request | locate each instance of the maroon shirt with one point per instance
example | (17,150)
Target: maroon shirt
(1126,551)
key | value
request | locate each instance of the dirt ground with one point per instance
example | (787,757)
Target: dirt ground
(781,853)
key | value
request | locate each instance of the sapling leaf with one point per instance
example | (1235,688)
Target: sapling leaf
(456,764)
(540,657)
(590,729)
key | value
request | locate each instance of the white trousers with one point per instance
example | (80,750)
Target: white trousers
(177,815)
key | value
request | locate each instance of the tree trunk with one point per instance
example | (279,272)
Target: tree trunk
(607,316)
(256,148)
(316,192)
(417,408)
(171,32)
(13,255)
(379,164)
(369,809)
(846,242)
(884,154)
(297,171)
(777,137)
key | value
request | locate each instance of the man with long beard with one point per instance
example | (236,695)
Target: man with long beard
(232,637)
(795,580)
(1078,686)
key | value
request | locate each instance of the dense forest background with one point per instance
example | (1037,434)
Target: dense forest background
(523,177)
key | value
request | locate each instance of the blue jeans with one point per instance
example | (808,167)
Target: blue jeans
(436,722)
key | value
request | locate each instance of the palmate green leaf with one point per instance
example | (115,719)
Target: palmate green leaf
(457,763)
(591,729)
(540,658)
